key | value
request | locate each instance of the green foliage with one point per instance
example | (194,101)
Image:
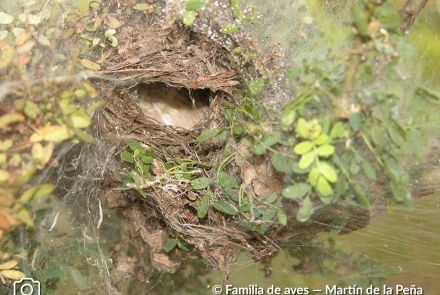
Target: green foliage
(250,15)
(191,8)
(170,245)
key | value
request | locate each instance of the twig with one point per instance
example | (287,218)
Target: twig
(409,13)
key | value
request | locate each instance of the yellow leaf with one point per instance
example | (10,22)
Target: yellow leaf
(44,190)
(97,105)
(90,65)
(6,200)
(48,150)
(8,264)
(24,36)
(5,18)
(80,119)
(38,155)
(39,135)
(25,216)
(112,22)
(4,175)
(25,197)
(58,133)
(13,274)
(11,118)
(2,158)
(6,57)
(21,60)
(26,47)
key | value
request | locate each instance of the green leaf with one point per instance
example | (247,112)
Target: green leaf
(90,65)
(229,29)
(389,19)
(358,16)
(313,176)
(288,118)
(297,170)
(256,86)
(256,116)
(269,214)
(328,172)
(188,17)
(321,139)
(127,157)
(324,187)
(147,160)
(224,180)
(80,119)
(303,147)
(84,136)
(259,149)
(207,135)
(238,93)
(134,145)
(301,127)
(285,139)
(58,133)
(377,136)
(228,114)
(223,136)
(306,160)
(150,154)
(43,190)
(369,171)
(293,73)
(395,135)
(228,105)
(201,183)
(272,198)
(137,178)
(336,130)
(141,6)
(31,109)
(203,206)
(367,75)
(326,150)
(437,4)
(355,121)
(430,95)
(246,207)
(195,4)
(97,105)
(296,191)
(78,278)
(325,125)
(416,141)
(263,228)
(399,189)
(305,211)
(282,218)
(231,194)
(236,9)
(225,207)
(279,162)
(270,140)
(354,167)
(259,211)
(170,245)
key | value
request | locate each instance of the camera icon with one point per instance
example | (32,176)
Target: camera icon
(27,286)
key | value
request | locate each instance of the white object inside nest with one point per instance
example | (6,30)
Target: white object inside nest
(170,106)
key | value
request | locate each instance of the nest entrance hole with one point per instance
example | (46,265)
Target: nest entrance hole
(179,107)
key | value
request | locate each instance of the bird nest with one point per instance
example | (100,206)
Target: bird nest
(153,53)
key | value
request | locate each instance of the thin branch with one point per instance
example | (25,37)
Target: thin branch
(409,13)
